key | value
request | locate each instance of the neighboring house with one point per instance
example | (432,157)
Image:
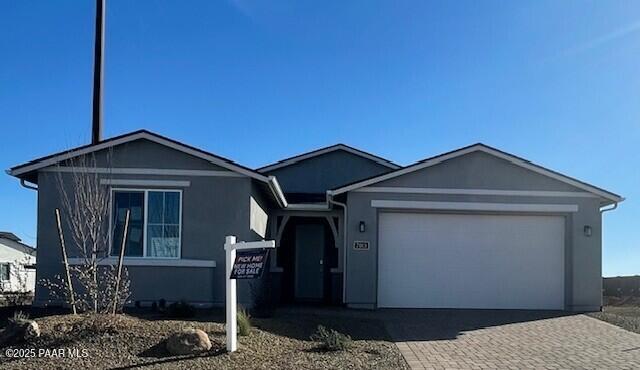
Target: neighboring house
(17,265)
(472,228)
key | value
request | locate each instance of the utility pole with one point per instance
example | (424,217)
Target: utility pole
(98,73)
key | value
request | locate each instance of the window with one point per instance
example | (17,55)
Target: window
(4,272)
(154,224)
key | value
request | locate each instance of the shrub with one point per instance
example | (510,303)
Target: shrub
(19,317)
(331,340)
(99,324)
(244,323)
(181,309)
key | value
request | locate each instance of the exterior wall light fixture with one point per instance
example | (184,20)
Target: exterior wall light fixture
(362,227)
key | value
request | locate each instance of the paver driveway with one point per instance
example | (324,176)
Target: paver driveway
(482,339)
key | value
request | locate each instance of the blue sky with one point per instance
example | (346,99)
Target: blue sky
(256,81)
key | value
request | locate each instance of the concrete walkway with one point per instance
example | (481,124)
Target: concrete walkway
(480,339)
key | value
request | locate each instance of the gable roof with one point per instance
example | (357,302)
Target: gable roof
(14,242)
(9,235)
(318,152)
(22,170)
(479,147)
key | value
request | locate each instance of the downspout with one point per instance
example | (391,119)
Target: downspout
(344,246)
(25,185)
(615,205)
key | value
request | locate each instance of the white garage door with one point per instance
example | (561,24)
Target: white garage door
(470,261)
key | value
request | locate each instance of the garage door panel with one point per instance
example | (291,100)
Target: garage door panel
(470,261)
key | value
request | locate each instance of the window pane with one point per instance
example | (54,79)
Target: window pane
(4,271)
(171,208)
(159,245)
(133,201)
(120,204)
(118,229)
(172,239)
(135,241)
(155,207)
(137,208)
(154,240)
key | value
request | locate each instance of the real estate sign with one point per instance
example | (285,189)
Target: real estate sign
(249,264)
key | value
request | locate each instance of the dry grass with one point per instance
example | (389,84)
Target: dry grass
(626,317)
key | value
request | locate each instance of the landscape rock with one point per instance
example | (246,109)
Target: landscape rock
(188,341)
(31,330)
(19,331)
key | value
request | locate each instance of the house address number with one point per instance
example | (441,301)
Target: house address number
(361,245)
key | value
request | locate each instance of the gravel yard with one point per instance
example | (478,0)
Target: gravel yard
(281,342)
(626,317)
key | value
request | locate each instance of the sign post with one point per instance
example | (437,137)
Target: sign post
(243,267)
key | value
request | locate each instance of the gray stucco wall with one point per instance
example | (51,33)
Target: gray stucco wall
(147,154)
(213,207)
(327,171)
(479,171)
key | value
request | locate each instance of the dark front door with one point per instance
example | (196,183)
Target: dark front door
(309,264)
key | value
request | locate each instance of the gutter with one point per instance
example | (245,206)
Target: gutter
(615,205)
(25,185)
(344,246)
(277,191)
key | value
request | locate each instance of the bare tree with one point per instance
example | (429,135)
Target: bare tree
(85,210)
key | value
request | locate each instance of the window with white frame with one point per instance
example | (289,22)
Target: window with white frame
(154,222)
(5,273)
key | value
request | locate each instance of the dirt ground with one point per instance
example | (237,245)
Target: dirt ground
(280,342)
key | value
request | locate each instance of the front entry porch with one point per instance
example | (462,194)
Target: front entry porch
(306,263)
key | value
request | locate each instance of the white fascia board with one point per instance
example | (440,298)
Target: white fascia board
(330,149)
(514,160)
(474,206)
(451,191)
(148,261)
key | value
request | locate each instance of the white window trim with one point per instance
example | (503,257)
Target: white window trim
(145,224)
(130,182)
